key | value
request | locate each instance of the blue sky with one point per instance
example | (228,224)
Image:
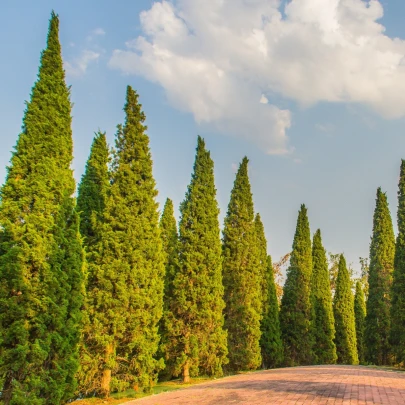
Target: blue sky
(312,94)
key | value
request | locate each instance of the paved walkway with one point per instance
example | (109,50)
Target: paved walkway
(293,386)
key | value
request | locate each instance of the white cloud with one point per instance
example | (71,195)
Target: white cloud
(216,58)
(79,65)
(263,99)
(98,31)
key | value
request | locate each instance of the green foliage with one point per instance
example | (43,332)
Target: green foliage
(343,309)
(382,252)
(93,189)
(397,335)
(242,277)
(41,257)
(197,337)
(323,327)
(360,316)
(270,340)
(295,308)
(170,241)
(126,270)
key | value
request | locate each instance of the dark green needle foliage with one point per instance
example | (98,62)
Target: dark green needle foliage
(397,336)
(295,311)
(345,325)
(170,241)
(360,315)
(382,252)
(41,257)
(93,189)
(323,325)
(242,277)
(198,340)
(126,270)
(270,340)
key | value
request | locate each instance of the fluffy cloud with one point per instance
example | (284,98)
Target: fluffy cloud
(226,61)
(79,65)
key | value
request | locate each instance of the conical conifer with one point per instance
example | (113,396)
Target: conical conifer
(41,257)
(270,340)
(343,309)
(127,266)
(323,325)
(242,277)
(198,340)
(295,308)
(397,335)
(382,252)
(93,188)
(360,316)
(170,241)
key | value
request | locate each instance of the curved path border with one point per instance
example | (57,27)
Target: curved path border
(329,385)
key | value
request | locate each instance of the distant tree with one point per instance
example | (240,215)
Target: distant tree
(125,293)
(382,251)
(360,316)
(295,311)
(197,338)
(345,325)
(242,277)
(397,335)
(41,256)
(170,240)
(278,268)
(323,327)
(270,340)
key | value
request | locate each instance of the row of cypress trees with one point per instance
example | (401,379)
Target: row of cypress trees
(104,295)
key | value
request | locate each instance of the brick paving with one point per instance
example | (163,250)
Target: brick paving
(317,385)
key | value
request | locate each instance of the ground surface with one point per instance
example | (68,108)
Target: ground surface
(293,386)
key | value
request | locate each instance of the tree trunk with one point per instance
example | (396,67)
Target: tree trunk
(106,377)
(186,372)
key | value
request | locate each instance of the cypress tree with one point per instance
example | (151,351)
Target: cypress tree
(242,277)
(295,308)
(360,316)
(270,340)
(343,309)
(127,265)
(197,337)
(91,200)
(382,252)
(397,335)
(323,325)
(170,241)
(41,257)
(93,189)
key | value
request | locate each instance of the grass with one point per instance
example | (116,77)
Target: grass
(122,397)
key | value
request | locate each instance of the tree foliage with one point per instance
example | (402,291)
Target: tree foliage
(323,325)
(360,316)
(198,340)
(242,277)
(41,257)
(343,309)
(295,308)
(382,252)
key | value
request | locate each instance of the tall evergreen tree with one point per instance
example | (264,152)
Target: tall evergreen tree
(198,340)
(360,316)
(343,309)
(295,308)
(91,200)
(41,257)
(397,335)
(323,325)
(93,189)
(242,277)
(170,241)
(382,252)
(127,266)
(270,340)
